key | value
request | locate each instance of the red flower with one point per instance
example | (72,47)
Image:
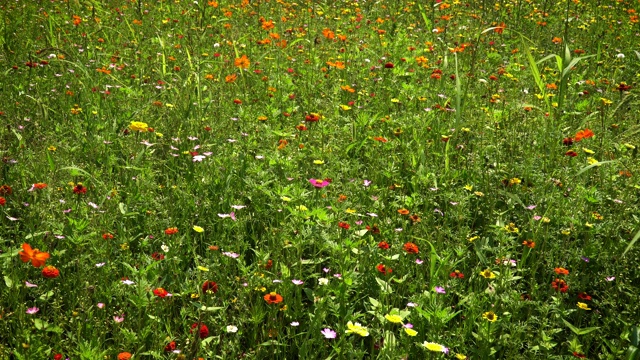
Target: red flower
(50,272)
(560,285)
(80,189)
(388,65)
(171,231)
(160,292)
(383,269)
(269,264)
(107,236)
(273,298)
(57,357)
(39,186)
(411,248)
(567,141)
(210,287)
(170,346)
(561,271)
(5,190)
(3,201)
(456,274)
(571,153)
(312,117)
(584,296)
(124,356)
(383,245)
(203,331)
(157,256)
(344,225)
(579,355)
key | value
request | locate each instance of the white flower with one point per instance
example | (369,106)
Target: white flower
(620,56)
(323,281)
(232,329)
(164,248)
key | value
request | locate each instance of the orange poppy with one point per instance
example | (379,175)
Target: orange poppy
(273,298)
(37,257)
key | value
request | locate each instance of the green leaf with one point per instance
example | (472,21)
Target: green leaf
(634,335)
(580,331)
(8,281)
(633,241)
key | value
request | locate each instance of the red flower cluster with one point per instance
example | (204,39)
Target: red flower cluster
(456,274)
(344,225)
(560,285)
(170,346)
(203,330)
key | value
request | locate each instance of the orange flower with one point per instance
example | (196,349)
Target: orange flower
(500,28)
(556,40)
(171,231)
(124,356)
(403,211)
(411,248)
(50,272)
(328,34)
(561,271)
(39,186)
(230,78)
(242,62)
(529,243)
(268,25)
(273,298)
(37,257)
(584,134)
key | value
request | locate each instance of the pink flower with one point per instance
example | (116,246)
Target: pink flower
(319,183)
(32,310)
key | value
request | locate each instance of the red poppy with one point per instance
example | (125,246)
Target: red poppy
(170,346)
(411,248)
(383,245)
(383,269)
(50,272)
(273,298)
(39,186)
(79,189)
(203,331)
(210,287)
(344,225)
(124,356)
(269,264)
(160,292)
(171,231)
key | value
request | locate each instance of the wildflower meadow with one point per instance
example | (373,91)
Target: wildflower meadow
(330,179)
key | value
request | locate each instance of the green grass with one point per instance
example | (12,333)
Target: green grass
(445,133)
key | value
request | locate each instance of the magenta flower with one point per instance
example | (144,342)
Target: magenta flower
(440,290)
(319,183)
(32,310)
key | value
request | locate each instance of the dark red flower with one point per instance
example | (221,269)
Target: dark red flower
(344,225)
(57,357)
(107,236)
(203,331)
(567,141)
(579,355)
(388,65)
(584,296)
(456,274)
(3,201)
(560,285)
(80,189)
(383,245)
(170,346)
(373,229)
(571,153)
(157,256)
(209,287)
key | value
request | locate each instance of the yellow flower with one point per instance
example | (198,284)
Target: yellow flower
(478,194)
(350,211)
(487,274)
(592,161)
(394,100)
(410,332)
(356,329)
(138,126)
(124,246)
(202,268)
(515,181)
(546,220)
(302,208)
(606,102)
(588,151)
(345,107)
(52,148)
(318,162)
(396,319)
(473,238)
(468,187)
(566,232)
(511,228)
(433,346)
(285,198)
(461,356)
(197,228)
(583,306)
(490,316)
(159,134)
(262,118)
(588,224)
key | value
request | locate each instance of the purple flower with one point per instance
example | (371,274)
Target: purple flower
(100,305)
(408,325)
(231,254)
(438,211)
(32,310)
(584,258)
(319,183)
(440,290)
(328,333)
(326,270)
